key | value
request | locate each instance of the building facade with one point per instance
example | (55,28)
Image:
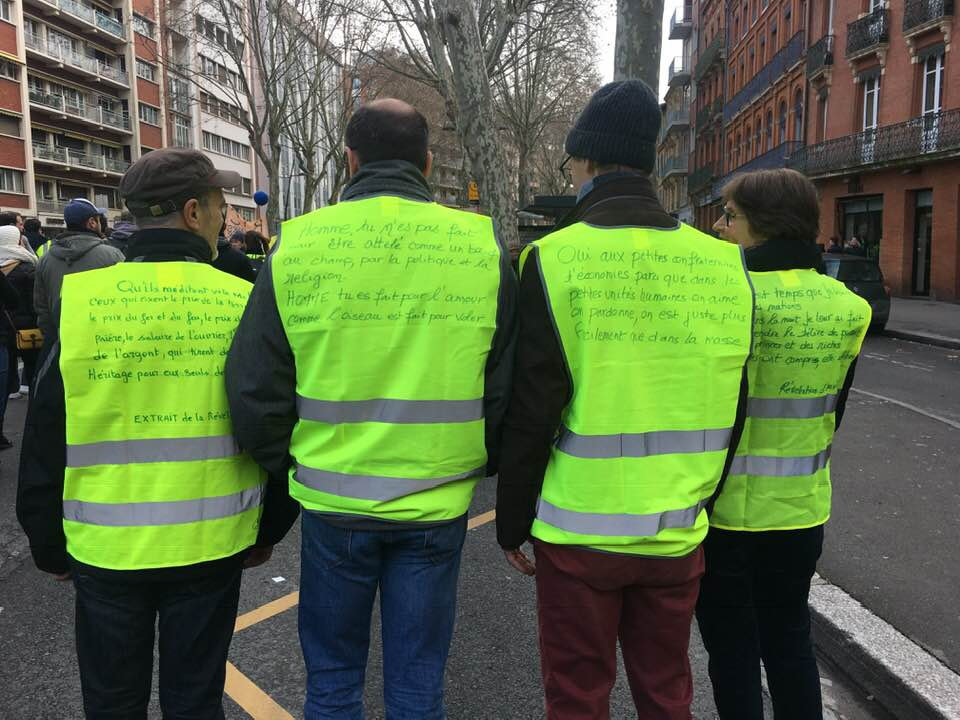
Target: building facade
(884,136)
(83,95)
(673,147)
(706,159)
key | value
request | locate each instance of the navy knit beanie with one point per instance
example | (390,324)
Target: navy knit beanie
(619,126)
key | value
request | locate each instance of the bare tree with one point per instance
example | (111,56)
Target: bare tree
(639,36)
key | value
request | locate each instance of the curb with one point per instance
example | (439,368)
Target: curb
(925,338)
(904,678)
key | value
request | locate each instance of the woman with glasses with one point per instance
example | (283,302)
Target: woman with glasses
(767,522)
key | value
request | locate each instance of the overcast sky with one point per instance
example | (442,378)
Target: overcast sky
(607,33)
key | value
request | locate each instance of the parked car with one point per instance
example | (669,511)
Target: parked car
(863,276)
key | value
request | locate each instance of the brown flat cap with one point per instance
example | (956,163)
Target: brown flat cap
(161,181)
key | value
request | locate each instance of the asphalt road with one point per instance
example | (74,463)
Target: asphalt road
(888,545)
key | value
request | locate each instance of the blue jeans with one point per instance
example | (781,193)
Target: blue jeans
(340,571)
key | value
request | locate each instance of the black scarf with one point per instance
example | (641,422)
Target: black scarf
(167,245)
(388,177)
(777,254)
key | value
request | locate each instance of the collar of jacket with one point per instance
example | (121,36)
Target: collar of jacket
(388,177)
(620,200)
(167,245)
(777,254)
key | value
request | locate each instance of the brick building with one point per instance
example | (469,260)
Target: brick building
(884,136)
(83,94)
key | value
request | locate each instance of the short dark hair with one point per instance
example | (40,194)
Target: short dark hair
(32,225)
(9,218)
(376,133)
(779,204)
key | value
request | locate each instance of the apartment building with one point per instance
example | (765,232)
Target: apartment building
(82,96)
(883,137)
(674,142)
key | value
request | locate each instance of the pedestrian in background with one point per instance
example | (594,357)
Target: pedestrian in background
(624,410)
(78,249)
(767,525)
(232,261)
(256,248)
(9,302)
(378,382)
(130,482)
(19,264)
(11,217)
(124,229)
(33,231)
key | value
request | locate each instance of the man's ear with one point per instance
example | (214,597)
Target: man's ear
(428,167)
(191,214)
(353,161)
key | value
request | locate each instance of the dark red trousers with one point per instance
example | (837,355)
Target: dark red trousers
(588,600)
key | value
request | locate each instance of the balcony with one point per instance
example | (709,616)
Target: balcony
(679,72)
(681,23)
(77,159)
(90,114)
(923,139)
(711,54)
(64,56)
(769,74)
(677,120)
(868,33)
(101,24)
(921,15)
(770,160)
(674,166)
(51,206)
(702,178)
(707,113)
(820,57)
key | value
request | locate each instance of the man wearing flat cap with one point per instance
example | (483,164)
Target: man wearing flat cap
(131,483)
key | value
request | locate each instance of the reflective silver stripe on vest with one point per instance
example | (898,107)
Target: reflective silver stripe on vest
(386,410)
(796,408)
(372,487)
(779,466)
(662,442)
(617,524)
(173,512)
(127,452)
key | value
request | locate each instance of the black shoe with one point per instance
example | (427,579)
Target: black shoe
(4,443)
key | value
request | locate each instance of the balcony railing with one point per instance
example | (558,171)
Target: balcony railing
(679,72)
(86,13)
(868,32)
(677,119)
(51,206)
(108,24)
(820,56)
(90,113)
(708,112)
(674,165)
(701,178)
(68,56)
(766,77)
(713,52)
(681,23)
(917,14)
(928,137)
(75,158)
(770,160)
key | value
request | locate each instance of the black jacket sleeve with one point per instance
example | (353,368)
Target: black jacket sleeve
(43,460)
(844,394)
(9,298)
(498,374)
(541,391)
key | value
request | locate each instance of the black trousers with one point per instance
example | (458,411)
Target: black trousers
(115,623)
(753,607)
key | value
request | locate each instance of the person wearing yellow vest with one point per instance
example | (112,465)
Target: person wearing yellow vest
(629,375)
(767,525)
(131,482)
(372,364)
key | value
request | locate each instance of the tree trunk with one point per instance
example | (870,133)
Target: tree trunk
(639,34)
(523,177)
(273,171)
(476,120)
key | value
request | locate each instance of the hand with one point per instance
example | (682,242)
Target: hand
(520,562)
(257,556)
(61,577)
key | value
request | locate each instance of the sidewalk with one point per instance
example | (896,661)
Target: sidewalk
(925,321)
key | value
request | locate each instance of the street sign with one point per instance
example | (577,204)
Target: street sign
(473,192)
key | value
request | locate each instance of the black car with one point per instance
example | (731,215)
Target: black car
(863,276)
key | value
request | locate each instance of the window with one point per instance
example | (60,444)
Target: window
(216,71)
(144,26)
(181,132)
(223,109)
(11,181)
(10,125)
(149,114)
(769,136)
(248,214)
(756,138)
(9,70)
(106,197)
(246,186)
(871,102)
(782,124)
(749,138)
(6,10)
(933,84)
(787,21)
(798,115)
(146,71)
(225,146)
(44,189)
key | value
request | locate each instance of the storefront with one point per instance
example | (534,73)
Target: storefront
(861,225)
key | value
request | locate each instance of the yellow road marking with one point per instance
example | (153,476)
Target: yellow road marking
(479,520)
(274,607)
(251,698)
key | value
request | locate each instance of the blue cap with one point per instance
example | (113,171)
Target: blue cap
(79,210)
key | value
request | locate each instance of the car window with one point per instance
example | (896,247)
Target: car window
(833,266)
(859,272)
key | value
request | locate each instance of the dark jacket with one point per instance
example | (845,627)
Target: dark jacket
(43,458)
(261,371)
(9,301)
(776,254)
(22,279)
(74,251)
(542,388)
(120,237)
(36,238)
(236,263)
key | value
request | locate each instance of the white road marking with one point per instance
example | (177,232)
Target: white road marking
(908,406)
(885,358)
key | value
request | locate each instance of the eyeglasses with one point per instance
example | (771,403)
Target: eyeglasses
(728,216)
(564,170)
